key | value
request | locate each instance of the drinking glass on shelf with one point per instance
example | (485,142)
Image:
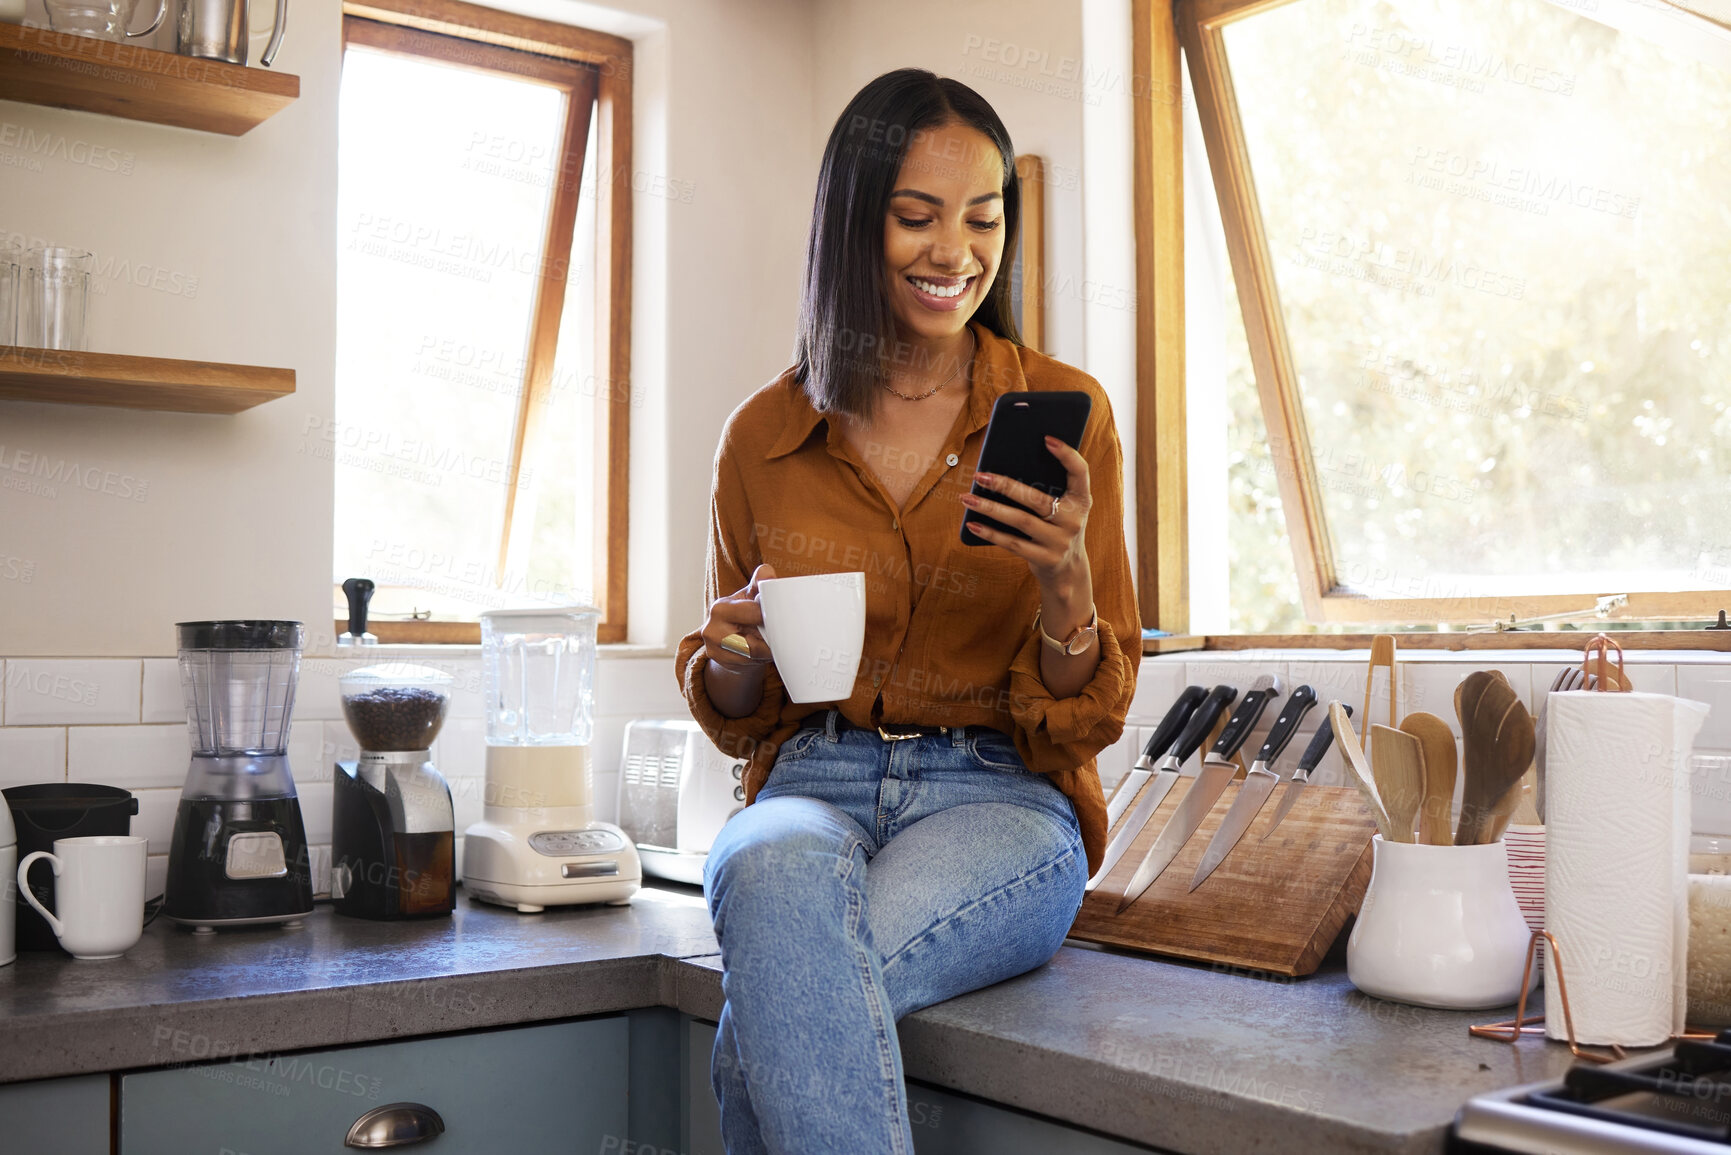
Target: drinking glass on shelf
(56,287)
(104,19)
(11,262)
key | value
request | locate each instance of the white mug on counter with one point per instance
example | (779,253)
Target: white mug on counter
(815,627)
(99,888)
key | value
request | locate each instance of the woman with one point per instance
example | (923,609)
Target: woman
(931,834)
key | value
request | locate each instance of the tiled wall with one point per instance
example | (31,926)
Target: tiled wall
(1427,680)
(121,721)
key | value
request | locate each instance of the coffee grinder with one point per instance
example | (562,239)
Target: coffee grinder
(538,844)
(239,855)
(393,850)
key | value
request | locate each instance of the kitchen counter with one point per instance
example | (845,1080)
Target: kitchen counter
(1181,1057)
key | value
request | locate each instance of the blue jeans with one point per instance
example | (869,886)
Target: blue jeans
(867,880)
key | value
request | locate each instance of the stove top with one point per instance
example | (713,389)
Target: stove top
(1678,1101)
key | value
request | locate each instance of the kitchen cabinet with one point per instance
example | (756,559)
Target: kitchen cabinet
(550,1088)
(65,1116)
(944,1123)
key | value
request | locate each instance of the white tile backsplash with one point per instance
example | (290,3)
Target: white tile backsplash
(32,754)
(1712,685)
(128,756)
(71,691)
(155,817)
(642,686)
(163,699)
(315,799)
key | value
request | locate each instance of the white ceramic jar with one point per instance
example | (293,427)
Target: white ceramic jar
(1439,927)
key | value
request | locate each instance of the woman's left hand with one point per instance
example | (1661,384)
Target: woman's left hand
(1055,549)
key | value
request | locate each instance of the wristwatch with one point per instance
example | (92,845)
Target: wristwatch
(1079,641)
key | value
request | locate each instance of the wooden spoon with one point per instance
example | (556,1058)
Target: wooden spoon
(1347,739)
(1437,756)
(1498,736)
(1398,764)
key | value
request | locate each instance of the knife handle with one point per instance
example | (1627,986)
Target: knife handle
(1243,721)
(1173,723)
(1314,752)
(1285,726)
(1202,721)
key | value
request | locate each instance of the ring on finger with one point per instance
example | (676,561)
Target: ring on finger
(736,644)
(1053,516)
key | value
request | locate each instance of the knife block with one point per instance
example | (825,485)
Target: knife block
(1273,906)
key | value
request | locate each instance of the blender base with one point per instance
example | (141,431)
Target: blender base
(504,865)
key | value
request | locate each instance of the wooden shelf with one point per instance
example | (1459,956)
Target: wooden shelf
(40,66)
(137,382)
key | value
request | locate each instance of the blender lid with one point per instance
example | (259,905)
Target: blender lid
(395,674)
(241,634)
(547,612)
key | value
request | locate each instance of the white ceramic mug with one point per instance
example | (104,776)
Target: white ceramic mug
(815,627)
(99,888)
(1439,927)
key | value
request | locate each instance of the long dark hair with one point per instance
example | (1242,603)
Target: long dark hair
(847,334)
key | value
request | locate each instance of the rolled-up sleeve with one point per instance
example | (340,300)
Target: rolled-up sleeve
(732,558)
(1063,733)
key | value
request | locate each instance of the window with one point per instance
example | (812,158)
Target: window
(483,391)
(1478,248)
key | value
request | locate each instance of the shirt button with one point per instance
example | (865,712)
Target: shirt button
(951,459)
(895,523)
(877,680)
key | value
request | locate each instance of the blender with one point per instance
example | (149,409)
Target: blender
(239,855)
(538,844)
(393,852)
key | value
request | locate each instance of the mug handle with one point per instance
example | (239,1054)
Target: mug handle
(30,896)
(161,11)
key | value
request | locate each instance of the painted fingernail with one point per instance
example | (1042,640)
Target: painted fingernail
(970,500)
(984,478)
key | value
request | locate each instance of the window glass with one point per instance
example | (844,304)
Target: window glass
(445,177)
(1500,241)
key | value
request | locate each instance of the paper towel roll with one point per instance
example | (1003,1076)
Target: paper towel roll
(1616,862)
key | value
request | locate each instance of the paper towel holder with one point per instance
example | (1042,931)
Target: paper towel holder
(1599,649)
(1511,1030)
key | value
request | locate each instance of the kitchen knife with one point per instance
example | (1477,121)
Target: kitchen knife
(1217,770)
(1307,762)
(1164,735)
(1165,775)
(1258,784)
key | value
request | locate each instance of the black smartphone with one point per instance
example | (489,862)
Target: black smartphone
(1016,448)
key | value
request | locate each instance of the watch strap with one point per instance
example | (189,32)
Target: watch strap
(1090,627)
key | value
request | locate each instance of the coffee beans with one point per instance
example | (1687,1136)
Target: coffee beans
(396,717)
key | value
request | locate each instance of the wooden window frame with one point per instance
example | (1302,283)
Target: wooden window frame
(1160,28)
(474,35)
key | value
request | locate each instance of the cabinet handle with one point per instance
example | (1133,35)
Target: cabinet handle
(395,1125)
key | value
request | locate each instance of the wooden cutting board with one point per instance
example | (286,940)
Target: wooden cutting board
(1274,906)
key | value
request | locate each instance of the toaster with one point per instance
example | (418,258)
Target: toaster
(675,791)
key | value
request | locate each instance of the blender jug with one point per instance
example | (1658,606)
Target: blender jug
(538,843)
(239,852)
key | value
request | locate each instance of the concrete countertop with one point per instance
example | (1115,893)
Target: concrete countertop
(1180,1057)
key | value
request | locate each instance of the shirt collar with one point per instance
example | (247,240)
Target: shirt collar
(997,370)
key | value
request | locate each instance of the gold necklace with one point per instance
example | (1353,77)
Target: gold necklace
(929,392)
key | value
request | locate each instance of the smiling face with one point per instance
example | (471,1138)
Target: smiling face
(944,235)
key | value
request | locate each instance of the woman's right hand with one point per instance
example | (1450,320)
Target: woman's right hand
(738,615)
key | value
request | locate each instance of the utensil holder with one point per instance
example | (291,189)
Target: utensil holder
(1439,927)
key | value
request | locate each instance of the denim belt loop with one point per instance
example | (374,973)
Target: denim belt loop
(958,736)
(829,721)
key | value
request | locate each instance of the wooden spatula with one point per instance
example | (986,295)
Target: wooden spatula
(1437,756)
(1497,733)
(1398,765)
(1347,739)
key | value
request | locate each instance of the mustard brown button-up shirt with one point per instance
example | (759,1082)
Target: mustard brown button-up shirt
(950,637)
